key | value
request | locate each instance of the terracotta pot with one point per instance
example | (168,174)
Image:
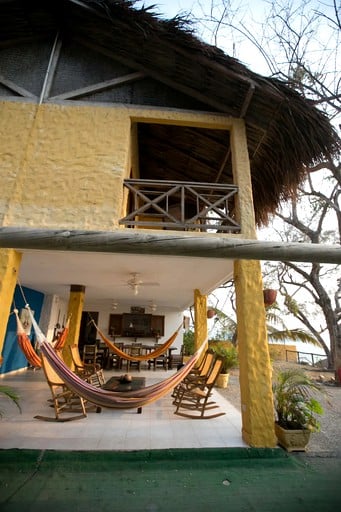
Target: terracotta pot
(211,313)
(269,296)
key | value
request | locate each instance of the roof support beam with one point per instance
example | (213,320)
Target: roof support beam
(16,88)
(99,87)
(135,242)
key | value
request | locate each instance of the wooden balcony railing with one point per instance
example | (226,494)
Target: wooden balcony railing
(179,205)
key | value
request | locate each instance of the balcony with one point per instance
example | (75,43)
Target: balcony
(182,206)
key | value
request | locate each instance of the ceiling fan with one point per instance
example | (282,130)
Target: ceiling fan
(135,282)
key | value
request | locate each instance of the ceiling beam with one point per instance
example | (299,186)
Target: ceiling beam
(135,242)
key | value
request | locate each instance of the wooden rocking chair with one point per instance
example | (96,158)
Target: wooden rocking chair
(194,395)
(63,399)
(82,369)
(197,375)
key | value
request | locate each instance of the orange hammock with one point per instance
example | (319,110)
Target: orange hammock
(60,342)
(25,344)
(112,399)
(142,357)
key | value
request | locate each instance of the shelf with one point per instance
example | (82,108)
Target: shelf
(133,325)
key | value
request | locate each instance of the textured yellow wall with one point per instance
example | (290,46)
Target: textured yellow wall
(9,269)
(200,319)
(278,352)
(65,167)
(254,362)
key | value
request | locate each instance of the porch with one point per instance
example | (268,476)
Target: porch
(156,428)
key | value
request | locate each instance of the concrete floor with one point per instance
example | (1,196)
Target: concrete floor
(156,428)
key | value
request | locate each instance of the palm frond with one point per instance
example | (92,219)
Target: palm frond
(10,394)
(292,335)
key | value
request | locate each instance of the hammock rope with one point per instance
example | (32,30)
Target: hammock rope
(142,357)
(112,399)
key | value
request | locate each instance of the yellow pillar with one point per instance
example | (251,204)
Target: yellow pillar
(9,269)
(254,361)
(200,318)
(75,310)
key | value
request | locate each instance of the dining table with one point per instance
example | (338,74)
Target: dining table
(150,348)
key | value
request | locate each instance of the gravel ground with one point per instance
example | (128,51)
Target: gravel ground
(328,440)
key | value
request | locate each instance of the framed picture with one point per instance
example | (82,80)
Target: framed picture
(26,320)
(136,310)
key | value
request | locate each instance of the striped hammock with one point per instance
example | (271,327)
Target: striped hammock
(142,357)
(113,399)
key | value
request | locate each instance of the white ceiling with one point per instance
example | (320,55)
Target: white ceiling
(105,277)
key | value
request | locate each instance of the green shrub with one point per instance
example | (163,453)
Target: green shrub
(189,342)
(227,352)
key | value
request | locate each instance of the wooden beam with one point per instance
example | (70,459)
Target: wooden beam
(51,68)
(99,87)
(16,88)
(173,244)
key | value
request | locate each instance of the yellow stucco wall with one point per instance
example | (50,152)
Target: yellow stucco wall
(279,352)
(9,270)
(63,166)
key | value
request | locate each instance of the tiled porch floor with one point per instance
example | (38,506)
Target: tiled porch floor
(156,428)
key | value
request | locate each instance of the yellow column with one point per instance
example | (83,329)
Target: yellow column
(9,268)
(200,318)
(75,310)
(254,361)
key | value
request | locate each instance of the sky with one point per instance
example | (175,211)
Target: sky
(251,13)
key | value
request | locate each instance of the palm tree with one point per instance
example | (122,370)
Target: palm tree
(276,328)
(11,394)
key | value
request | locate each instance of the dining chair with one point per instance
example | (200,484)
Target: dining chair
(136,350)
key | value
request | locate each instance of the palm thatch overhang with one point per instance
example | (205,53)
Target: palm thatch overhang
(285,132)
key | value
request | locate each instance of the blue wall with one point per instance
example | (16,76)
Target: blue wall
(14,358)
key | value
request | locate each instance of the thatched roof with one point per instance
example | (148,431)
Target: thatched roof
(285,131)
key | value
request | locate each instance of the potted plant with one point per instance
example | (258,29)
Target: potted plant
(188,343)
(229,354)
(296,408)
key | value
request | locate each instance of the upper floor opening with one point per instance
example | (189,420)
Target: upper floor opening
(181,178)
